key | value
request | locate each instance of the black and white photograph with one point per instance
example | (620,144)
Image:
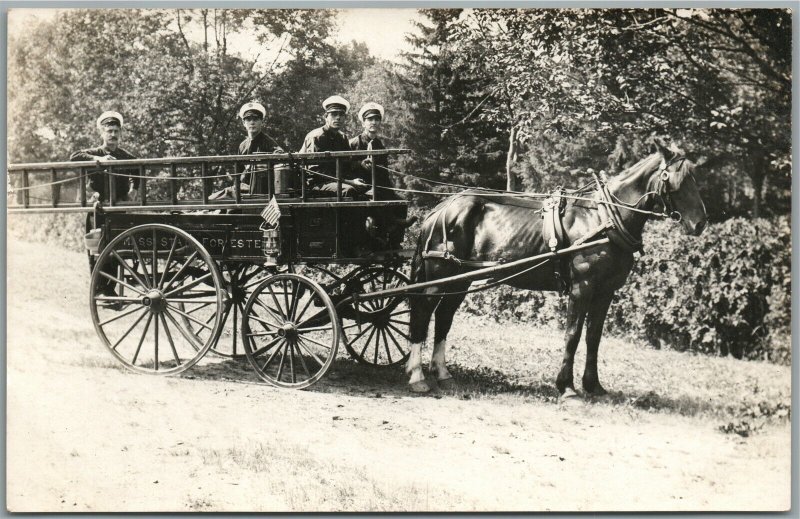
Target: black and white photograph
(399,259)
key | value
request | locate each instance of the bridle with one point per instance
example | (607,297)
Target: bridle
(664,189)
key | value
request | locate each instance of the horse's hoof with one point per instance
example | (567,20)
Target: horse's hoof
(570,396)
(447,384)
(419,387)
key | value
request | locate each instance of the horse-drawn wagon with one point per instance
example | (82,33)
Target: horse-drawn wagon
(285,275)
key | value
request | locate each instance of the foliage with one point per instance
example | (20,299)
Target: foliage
(718,79)
(752,418)
(449,145)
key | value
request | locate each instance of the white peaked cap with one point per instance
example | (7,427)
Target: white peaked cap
(369,107)
(109,115)
(336,100)
(258,107)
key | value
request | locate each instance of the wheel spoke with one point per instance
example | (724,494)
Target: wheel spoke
(397,344)
(141,340)
(286,299)
(234,326)
(186,263)
(326,346)
(114,347)
(188,335)
(267,346)
(272,356)
(155,262)
(155,336)
(302,344)
(303,311)
(362,332)
(263,322)
(386,345)
(190,300)
(277,304)
(169,259)
(271,312)
(141,260)
(119,281)
(283,359)
(396,321)
(395,328)
(171,342)
(291,361)
(193,284)
(193,310)
(127,313)
(366,344)
(191,318)
(126,267)
(315,329)
(302,360)
(295,299)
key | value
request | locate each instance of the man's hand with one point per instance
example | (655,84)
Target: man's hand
(360,184)
(278,150)
(366,163)
(109,157)
(94,198)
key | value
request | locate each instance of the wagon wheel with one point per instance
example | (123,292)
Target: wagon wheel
(291,331)
(374,331)
(240,280)
(142,292)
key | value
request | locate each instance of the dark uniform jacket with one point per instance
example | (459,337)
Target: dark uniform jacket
(98,180)
(258,144)
(361,142)
(326,139)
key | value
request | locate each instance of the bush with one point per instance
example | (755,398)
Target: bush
(62,230)
(727,291)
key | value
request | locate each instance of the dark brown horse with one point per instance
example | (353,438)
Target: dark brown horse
(505,228)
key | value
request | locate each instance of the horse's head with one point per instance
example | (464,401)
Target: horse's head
(678,191)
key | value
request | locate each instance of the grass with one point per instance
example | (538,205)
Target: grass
(307,483)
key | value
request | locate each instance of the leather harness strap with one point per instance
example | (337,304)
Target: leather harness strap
(615,229)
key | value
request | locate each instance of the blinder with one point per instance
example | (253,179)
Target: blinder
(665,190)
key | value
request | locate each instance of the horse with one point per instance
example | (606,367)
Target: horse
(481,228)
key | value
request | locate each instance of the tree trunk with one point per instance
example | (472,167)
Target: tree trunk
(757,173)
(512,183)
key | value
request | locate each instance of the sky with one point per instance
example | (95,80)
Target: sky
(382,30)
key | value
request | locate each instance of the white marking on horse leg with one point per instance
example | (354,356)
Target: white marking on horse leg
(438,362)
(414,363)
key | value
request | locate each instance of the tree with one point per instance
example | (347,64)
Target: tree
(449,144)
(717,79)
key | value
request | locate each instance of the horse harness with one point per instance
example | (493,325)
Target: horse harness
(554,234)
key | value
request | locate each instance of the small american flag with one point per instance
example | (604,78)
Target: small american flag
(271,213)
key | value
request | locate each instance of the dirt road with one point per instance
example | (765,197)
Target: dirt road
(84,435)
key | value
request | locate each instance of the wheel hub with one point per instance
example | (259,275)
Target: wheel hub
(155,301)
(288,330)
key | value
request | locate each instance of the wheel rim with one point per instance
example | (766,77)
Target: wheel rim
(153,278)
(374,331)
(291,331)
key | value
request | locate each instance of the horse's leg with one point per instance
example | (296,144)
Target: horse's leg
(576,314)
(444,320)
(594,330)
(421,310)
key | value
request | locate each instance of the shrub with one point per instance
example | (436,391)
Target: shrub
(727,291)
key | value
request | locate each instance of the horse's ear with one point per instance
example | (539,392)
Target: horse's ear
(660,147)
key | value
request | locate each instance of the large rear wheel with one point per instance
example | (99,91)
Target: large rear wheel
(147,283)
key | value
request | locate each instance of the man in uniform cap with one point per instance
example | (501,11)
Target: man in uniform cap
(109,124)
(371,116)
(330,138)
(252,116)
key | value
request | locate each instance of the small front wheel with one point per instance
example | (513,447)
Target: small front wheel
(290,331)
